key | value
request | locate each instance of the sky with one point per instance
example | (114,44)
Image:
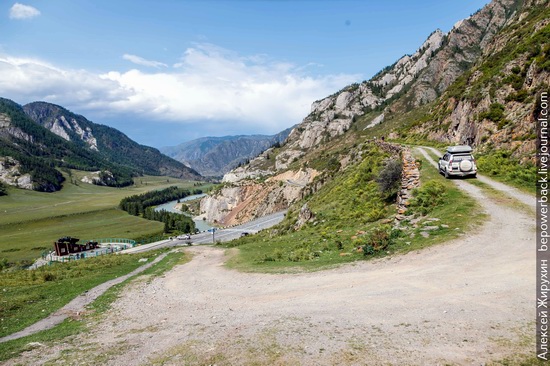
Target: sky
(168,71)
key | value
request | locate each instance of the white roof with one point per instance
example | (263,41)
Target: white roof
(459,149)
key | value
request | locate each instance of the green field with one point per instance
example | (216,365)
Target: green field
(31,221)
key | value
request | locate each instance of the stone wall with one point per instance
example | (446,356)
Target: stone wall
(409,181)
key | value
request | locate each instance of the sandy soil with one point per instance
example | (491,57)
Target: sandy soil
(466,302)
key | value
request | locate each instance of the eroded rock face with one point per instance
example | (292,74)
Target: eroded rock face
(247,200)
(10,174)
(7,129)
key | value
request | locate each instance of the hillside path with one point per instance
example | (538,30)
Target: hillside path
(466,302)
(77,305)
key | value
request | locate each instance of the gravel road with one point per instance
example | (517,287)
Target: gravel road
(466,302)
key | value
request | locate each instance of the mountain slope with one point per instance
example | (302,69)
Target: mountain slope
(31,155)
(398,98)
(215,156)
(111,144)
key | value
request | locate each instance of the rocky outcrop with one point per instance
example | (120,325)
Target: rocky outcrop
(10,174)
(498,111)
(7,129)
(51,117)
(304,216)
(461,48)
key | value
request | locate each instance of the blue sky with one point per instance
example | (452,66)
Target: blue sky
(166,71)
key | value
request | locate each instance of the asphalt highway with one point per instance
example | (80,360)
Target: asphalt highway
(220,235)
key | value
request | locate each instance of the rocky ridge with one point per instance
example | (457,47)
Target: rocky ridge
(10,173)
(494,104)
(66,127)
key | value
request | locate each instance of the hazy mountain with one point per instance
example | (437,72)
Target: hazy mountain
(215,156)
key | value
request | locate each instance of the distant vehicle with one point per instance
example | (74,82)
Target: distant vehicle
(458,161)
(244,234)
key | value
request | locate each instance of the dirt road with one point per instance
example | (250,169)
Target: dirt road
(466,302)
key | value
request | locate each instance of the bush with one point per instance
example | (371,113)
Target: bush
(427,197)
(389,178)
(379,239)
(495,113)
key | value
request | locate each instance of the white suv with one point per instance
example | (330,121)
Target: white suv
(458,161)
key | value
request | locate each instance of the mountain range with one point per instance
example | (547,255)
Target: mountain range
(39,138)
(215,156)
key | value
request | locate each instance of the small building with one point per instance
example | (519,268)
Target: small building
(69,245)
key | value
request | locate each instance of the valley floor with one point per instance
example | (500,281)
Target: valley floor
(469,301)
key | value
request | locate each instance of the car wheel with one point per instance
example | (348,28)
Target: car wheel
(446,174)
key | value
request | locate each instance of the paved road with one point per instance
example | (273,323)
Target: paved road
(236,231)
(222,235)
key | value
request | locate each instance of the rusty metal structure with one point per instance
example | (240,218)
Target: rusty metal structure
(68,245)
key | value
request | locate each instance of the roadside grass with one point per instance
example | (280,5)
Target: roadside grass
(15,347)
(501,197)
(348,210)
(31,221)
(27,300)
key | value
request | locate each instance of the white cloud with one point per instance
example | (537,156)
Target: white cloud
(208,83)
(143,62)
(21,11)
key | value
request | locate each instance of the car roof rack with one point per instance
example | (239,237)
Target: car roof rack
(459,149)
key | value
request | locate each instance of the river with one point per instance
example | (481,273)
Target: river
(200,224)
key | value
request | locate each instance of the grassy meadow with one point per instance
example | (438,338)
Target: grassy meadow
(31,221)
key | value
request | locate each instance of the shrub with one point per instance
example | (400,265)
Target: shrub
(427,197)
(389,178)
(379,239)
(495,113)
(368,250)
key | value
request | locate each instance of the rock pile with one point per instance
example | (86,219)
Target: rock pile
(409,181)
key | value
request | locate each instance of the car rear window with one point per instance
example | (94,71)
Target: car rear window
(457,158)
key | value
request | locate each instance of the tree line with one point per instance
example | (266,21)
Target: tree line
(142,204)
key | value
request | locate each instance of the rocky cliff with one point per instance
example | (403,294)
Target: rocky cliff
(494,105)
